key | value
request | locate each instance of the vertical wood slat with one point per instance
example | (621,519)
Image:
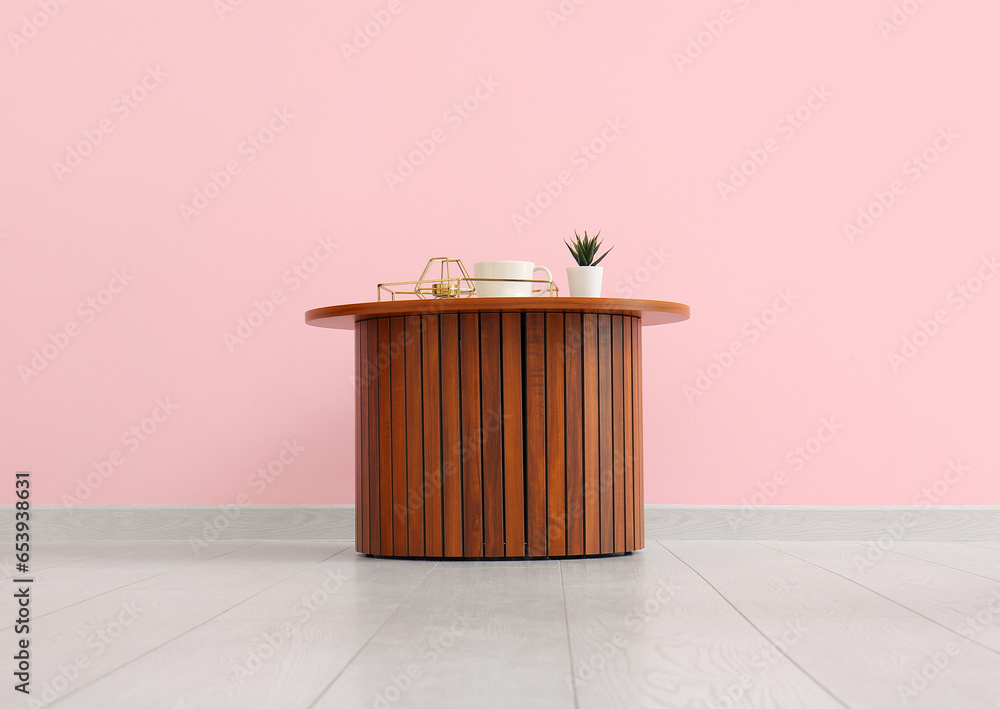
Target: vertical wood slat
(414,437)
(384,437)
(575,512)
(591,436)
(371,380)
(555,424)
(629,429)
(618,424)
(361,437)
(397,377)
(492,421)
(451,436)
(433,536)
(606,435)
(534,431)
(472,441)
(638,461)
(513,453)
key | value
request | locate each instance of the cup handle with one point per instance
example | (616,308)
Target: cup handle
(548,286)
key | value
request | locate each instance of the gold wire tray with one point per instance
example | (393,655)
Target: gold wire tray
(447,285)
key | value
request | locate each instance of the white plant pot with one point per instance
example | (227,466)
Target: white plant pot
(585,281)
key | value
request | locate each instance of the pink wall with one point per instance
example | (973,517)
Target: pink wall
(138,283)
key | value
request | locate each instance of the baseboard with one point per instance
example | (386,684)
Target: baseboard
(336,522)
(824,523)
(56,523)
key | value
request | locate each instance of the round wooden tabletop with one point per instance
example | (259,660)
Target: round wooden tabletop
(652,312)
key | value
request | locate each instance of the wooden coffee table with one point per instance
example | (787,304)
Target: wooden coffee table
(491,428)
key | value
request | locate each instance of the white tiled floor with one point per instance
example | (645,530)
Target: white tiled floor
(680,624)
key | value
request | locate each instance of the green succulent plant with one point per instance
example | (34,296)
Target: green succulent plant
(585,248)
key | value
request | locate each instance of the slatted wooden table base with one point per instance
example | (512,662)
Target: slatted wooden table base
(488,434)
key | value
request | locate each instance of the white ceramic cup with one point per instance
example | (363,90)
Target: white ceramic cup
(508,269)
